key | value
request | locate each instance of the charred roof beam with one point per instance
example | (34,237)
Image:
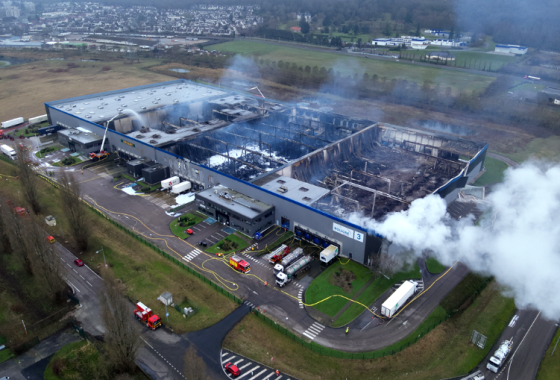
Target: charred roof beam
(248,150)
(229,157)
(313,148)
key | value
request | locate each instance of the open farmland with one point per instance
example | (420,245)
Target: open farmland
(348,65)
(25,88)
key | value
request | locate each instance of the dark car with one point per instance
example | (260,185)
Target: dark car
(232,368)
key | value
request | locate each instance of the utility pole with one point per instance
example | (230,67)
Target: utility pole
(102,250)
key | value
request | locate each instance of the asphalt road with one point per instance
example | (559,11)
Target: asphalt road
(531,335)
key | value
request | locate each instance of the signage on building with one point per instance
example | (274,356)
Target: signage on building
(127,143)
(349,233)
(343,230)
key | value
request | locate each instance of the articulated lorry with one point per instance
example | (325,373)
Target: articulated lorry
(145,315)
(301,266)
(288,259)
(398,298)
(12,123)
(500,356)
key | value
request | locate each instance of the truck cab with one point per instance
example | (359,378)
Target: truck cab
(154,322)
(278,268)
(282,279)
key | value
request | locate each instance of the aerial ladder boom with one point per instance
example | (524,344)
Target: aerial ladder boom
(102,154)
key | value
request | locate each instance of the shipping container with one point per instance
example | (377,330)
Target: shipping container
(328,254)
(37,119)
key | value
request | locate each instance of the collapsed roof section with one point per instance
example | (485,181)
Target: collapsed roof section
(380,169)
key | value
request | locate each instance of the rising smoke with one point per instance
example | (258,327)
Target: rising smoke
(517,240)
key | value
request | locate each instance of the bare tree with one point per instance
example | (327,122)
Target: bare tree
(5,246)
(195,368)
(45,261)
(74,209)
(28,180)
(16,233)
(122,336)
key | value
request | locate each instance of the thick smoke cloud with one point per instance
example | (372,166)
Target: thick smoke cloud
(517,240)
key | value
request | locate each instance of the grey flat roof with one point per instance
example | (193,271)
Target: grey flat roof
(98,107)
(234,201)
(299,191)
(551,91)
(80,136)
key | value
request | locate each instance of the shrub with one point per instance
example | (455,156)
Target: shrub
(106,68)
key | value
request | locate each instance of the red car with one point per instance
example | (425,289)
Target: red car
(79,262)
(232,368)
(189,231)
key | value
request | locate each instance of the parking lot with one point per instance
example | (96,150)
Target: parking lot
(250,370)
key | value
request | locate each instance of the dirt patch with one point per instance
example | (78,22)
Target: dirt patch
(343,279)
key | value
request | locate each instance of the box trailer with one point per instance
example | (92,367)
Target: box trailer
(398,299)
(8,151)
(328,254)
(37,119)
(13,122)
(181,187)
(170,182)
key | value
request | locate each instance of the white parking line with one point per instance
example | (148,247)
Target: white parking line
(248,372)
(246,365)
(239,361)
(228,359)
(258,374)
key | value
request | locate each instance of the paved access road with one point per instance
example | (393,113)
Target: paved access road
(531,335)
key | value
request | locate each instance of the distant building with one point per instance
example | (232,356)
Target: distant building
(408,41)
(440,56)
(295,29)
(549,95)
(511,49)
(447,43)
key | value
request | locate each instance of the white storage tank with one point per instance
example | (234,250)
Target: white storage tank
(170,182)
(181,187)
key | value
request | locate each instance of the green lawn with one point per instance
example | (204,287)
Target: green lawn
(348,64)
(530,87)
(50,149)
(550,366)
(434,266)
(542,148)
(73,160)
(241,244)
(494,172)
(79,360)
(179,231)
(322,287)
(469,59)
(373,292)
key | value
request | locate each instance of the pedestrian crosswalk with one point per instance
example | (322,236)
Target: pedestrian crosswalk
(191,255)
(313,330)
(260,262)
(249,369)
(250,304)
(299,298)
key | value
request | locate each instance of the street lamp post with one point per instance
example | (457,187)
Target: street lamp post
(103,251)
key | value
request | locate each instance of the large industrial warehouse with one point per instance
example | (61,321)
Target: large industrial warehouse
(256,162)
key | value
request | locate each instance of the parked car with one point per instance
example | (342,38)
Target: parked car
(189,231)
(79,262)
(232,368)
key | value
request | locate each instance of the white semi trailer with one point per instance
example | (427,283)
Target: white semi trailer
(181,187)
(398,299)
(37,119)
(170,182)
(13,122)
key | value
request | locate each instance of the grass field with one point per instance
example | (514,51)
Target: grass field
(350,64)
(26,87)
(494,172)
(322,287)
(434,266)
(80,360)
(373,292)
(550,366)
(144,273)
(442,353)
(530,87)
(540,148)
(241,244)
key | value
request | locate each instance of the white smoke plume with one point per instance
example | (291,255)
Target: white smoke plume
(517,240)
